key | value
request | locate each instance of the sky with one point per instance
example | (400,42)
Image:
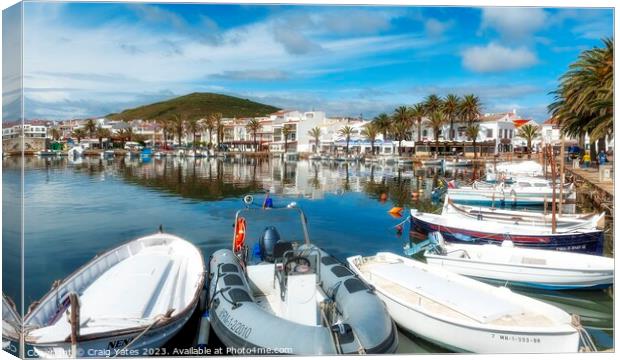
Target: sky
(91,59)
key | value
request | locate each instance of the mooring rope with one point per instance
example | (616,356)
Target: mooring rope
(156,320)
(585,338)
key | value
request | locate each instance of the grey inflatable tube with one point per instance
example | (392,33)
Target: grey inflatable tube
(248,329)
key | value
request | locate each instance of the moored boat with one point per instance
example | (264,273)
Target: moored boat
(291,295)
(463,314)
(433,162)
(458,163)
(509,265)
(133,297)
(11,326)
(454,228)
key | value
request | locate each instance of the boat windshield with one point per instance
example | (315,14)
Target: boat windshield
(259,232)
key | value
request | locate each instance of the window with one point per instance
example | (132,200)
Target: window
(511,133)
(489,133)
(424,132)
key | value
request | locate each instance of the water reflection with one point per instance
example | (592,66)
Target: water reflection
(76,209)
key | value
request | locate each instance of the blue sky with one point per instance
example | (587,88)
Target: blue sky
(86,59)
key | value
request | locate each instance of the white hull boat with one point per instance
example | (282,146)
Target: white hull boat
(436,162)
(463,314)
(543,269)
(131,299)
(458,163)
(532,218)
(11,326)
(523,168)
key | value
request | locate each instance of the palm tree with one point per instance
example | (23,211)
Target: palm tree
(178,123)
(470,108)
(472,131)
(192,126)
(529,132)
(315,133)
(219,127)
(383,122)
(346,132)
(101,134)
(254,126)
(125,134)
(55,134)
(79,134)
(90,128)
(432,103)
(583,102)
(209,124)
(451,109)
(370,132)
(286,131)
(417,113)
(437,120)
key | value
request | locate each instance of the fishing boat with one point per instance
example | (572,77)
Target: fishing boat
(46,153)
(516,194)
(458,163)
(288,294)
(455,228)
(127,300)
(75,152)
(569,221)
(405,160)
(509,265)
(11,325)
(314,157)
(464,314)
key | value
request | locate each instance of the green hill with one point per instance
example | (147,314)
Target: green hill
(196,105)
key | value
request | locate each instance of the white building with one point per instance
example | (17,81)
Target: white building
(28,131)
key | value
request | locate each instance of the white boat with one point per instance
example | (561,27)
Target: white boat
(523,217)
(458,163)
(132,298)
(433,162)
(11,326)
(75,151)
(544,269)
(314,157)
(523,194)
(405,160)
(522,168)
(463,314)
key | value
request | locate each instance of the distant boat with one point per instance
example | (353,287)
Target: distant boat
(146,153)
(522,168)
(135,296)
(586,238)
(405,160)
(458,163)
(518,194)
(314,157)
(47,153)
(463,314)
(509,265)
(433,162)
(75,152)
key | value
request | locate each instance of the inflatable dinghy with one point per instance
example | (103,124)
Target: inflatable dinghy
(291,298)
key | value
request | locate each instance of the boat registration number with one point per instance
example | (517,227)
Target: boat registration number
(516,338)
(235,325)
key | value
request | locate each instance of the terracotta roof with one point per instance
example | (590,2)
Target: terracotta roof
(519,122)
(494,117)
(550,121)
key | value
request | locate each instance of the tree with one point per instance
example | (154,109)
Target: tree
(90,127)
(209,125)
(101,134)
(401,124)
(219,127)
(383,122)
(437,120)
(125,134)
(472,131)
(583,101)
(192,126)
(178,123)
(529,132)
(286,131)
(254,126)
(432,103)
(470,108)
(346,132)
(315,133)
(55,134)
(417,113)
(451,109)
(370,132)
(79,134)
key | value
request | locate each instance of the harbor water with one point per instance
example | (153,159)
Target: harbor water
(75,210)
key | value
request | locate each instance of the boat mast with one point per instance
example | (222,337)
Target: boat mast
(561,175)
(553,198)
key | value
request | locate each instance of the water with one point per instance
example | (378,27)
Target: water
(77,210)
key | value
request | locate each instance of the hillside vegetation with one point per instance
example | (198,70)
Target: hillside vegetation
(196,105)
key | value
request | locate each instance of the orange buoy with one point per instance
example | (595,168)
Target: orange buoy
(395,210)
(383,197)
(239,240)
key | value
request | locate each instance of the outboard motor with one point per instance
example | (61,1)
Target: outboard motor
(267,242)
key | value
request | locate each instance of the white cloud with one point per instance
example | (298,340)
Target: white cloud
(494,58)
(514,24)
(436,28)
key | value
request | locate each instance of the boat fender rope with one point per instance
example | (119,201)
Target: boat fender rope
(156,320)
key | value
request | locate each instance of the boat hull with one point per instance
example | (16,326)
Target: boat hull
(524,276)
(588,242)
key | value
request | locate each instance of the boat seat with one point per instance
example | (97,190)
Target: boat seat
(280,248)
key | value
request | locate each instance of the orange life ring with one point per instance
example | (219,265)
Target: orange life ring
(239,240)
